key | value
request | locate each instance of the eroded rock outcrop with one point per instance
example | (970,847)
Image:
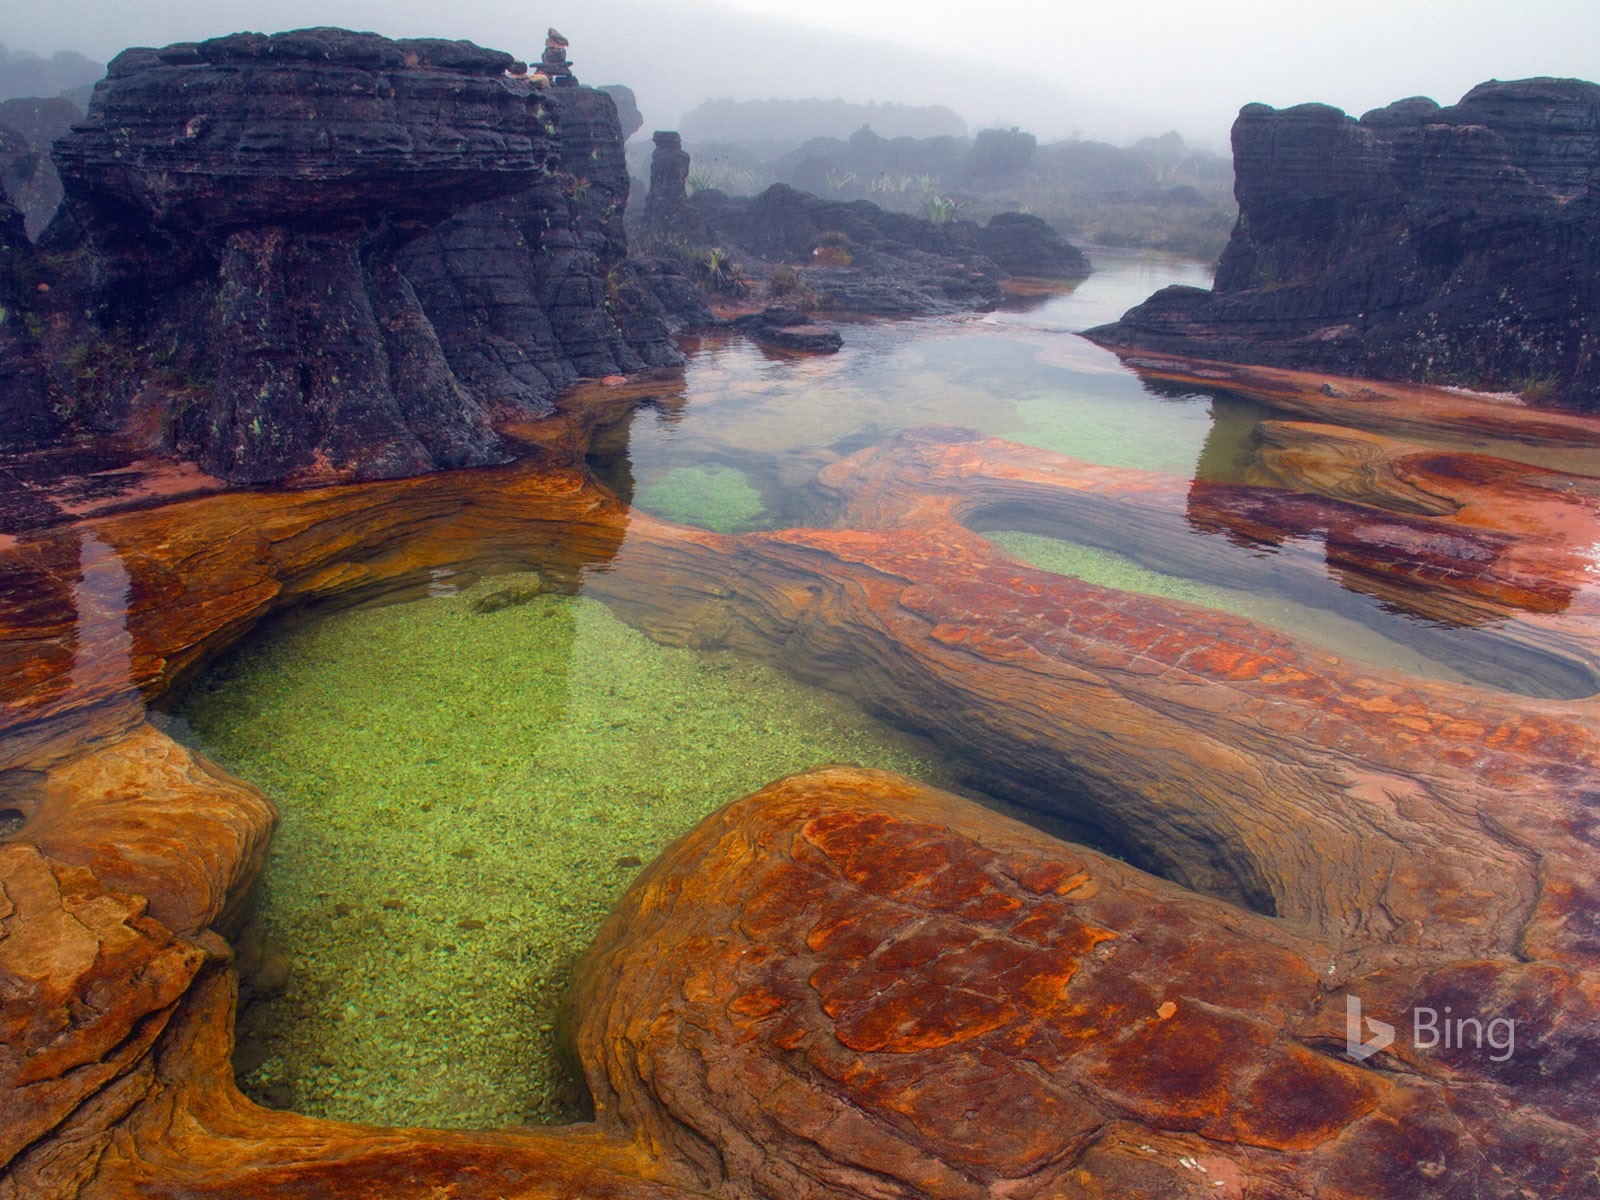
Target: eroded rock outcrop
(885,263)
(532,291)
(855,256)
(1456,244)
(239,223)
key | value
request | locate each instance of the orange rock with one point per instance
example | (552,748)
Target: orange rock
(848,984)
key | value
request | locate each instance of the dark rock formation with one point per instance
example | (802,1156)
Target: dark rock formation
(27,130)
(1022,244)
(857,257)
(1457,244)
(240,218)
(531,291)
(884,263)
(26,417)
(666,203)
(1001,154)
(786,328)
(681,303)
(628,115)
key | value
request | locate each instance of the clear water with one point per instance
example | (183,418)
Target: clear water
(468,782)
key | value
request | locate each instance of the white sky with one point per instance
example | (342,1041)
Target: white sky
(1111,68)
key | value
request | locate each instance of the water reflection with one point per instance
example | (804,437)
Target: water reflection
(750,434)
(102,644)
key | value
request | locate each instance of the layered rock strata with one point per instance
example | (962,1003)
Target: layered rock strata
(533,291)
(241,219)
(849,985)
(1456,244)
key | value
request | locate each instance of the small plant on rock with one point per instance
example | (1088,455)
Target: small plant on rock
(718,268)
(941,210)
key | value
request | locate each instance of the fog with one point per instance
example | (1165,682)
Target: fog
(1060,69)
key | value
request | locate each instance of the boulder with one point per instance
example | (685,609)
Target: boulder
(785,328)
(1025,245)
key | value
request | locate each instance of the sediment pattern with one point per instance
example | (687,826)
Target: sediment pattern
(848,984)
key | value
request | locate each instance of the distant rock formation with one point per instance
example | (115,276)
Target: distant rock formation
(628,115)
(324,254)
(26,417)
(27,130)
(855,256)
(1456,244)
(667,201)
(897,264)
(795,121)
(1026,245)
(23,73)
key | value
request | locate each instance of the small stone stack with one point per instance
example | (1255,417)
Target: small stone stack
(553,64)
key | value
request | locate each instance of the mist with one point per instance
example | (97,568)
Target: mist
(1062,70)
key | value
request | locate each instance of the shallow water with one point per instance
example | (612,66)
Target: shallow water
(466,788)
(469,781)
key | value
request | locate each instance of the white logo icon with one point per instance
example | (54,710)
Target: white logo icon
(1357,1047)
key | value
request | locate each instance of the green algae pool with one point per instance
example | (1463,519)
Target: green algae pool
(468,783)
(465,790)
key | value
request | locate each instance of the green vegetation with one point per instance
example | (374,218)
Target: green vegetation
(467,785)
(699,180)
(712,497)
(788,283)
(721,271)
(941,210)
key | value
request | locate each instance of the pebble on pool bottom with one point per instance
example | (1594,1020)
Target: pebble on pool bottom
(467,784)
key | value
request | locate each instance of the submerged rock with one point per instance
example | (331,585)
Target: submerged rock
(1455,244)
(847,983)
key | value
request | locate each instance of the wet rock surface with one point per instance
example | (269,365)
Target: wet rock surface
(849,984)
(1455,244)
(786,328)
